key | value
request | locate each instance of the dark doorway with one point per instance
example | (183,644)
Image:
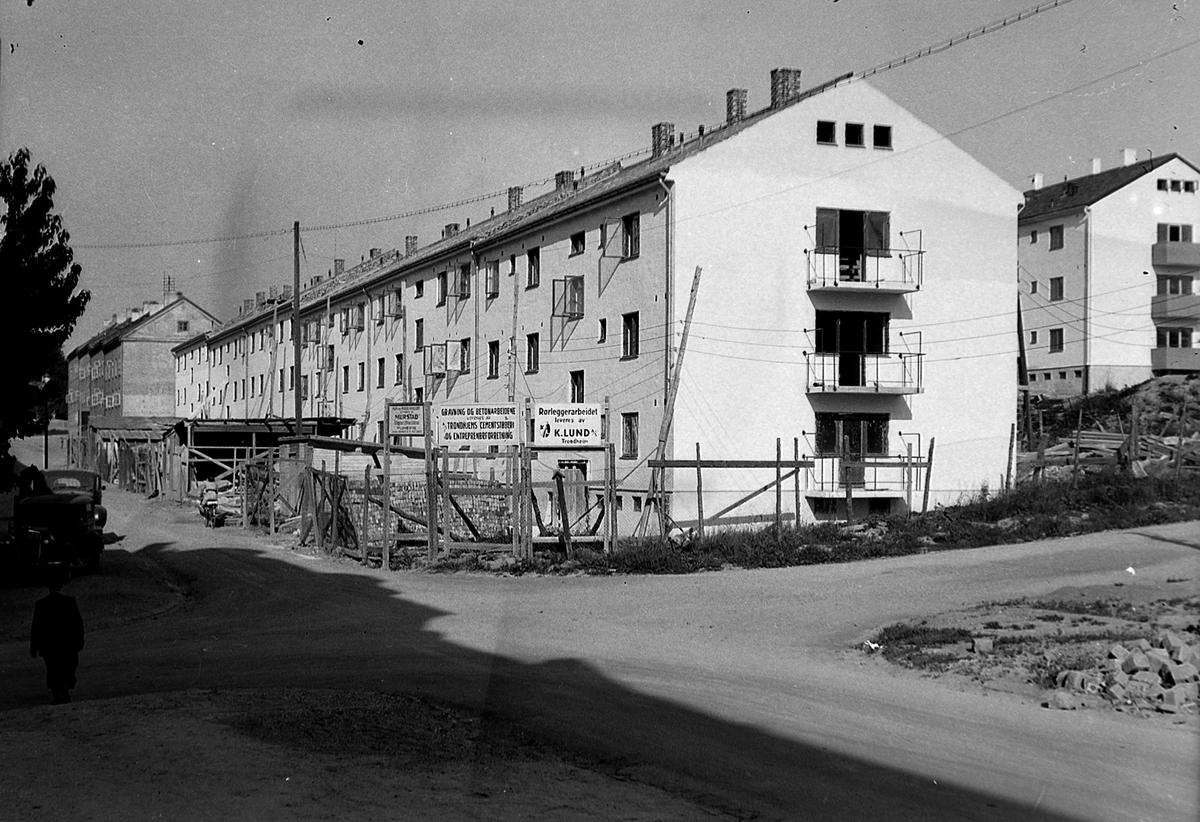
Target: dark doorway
(853,336)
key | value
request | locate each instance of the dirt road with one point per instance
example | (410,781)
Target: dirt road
(732,693)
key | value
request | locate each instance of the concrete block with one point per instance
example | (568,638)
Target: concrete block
(1117,651)
(1075,681)
(982,645)
(1149,677)
(1178,674)
(1136,661)
(1062,700)
(1116,691)
(1172,642)
(1136,689)
(1189,690)
(1142,645)
(1187,654)
(1158,658)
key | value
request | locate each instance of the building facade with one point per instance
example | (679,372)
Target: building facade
(852,261)
(1107,266)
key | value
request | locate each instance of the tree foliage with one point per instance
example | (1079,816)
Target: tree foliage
(40,303)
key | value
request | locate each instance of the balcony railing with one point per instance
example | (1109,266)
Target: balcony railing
(1175,359)
(887,271)
(885,475)
(855,372)
(1175,306)
(1176,255)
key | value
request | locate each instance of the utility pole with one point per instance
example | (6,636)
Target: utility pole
(296,328)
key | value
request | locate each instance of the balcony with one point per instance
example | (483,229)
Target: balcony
(852,372)
(1175,306)
(842,268)
(875,475)
(1175,255)
(1174,359)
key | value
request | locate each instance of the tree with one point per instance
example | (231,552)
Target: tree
(40,304)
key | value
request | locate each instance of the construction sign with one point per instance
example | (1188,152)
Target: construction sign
(477,426)
(567,424)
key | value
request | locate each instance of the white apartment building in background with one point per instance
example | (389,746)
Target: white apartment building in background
(855,267)
(1108,266)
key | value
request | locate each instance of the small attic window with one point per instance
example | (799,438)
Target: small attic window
(881,137)
(1162,185)
(855,134)
(827,132)
(1176,185)
(1189,186)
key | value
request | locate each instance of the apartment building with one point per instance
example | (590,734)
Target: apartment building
(852,263)
(1108,264)
(126,370)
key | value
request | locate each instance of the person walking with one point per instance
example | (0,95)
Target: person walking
(57,635)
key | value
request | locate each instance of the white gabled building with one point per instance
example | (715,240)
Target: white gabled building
(1108,265)
(857,290)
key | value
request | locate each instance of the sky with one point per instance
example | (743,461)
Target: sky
(169,125)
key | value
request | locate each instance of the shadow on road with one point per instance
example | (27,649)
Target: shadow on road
(257,621)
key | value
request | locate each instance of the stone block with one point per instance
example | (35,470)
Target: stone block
(1136,661)
(1136,689)
(1142,645)
(1158,658)
(982,645)
(1117,651)
(1179,674)
(1172,642)
(1075,681)
(1062,700)
(1187,654)
(1149,677)
(1116,691)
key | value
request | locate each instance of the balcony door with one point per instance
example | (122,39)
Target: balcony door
(852,336)
(852,437)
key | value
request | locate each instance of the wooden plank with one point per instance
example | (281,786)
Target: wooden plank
(796,463)
(751,496)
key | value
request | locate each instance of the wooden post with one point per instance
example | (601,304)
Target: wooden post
(699,496)
(526,493)
(385,492)
(796,478)
(363,537)
(1075,455)
(430,487)
(928,474)
(778,484)
(513,474)
(908,477)
(610,491)
(273,483)
(563,515)
(846,486)
(317,511)
(1008,466)
(445,517)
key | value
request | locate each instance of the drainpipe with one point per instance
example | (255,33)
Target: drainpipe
(669,342)
(1087,294)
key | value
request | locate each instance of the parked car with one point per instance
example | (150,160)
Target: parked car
(65,525)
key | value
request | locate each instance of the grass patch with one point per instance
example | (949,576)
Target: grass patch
(919,646)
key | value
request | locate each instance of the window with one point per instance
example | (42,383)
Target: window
(1056,340)
(512,265)
(345,379)
(603,330)
(1078,374)
(1174,337)
(882,136)
(576,386)
(577,243)
(379,431)
(1056,237)
(1062,375)
(441,288)
(1176,185)
(303,386)
(493,359)
(491,278)
(1033,286)
(399,378)
(855,135)
(853,236)
(1033,338)
(827,132)
(1056,289)
(861,433)
(361,382)
(380,370)
(629,436)
(1033,237)
(531,353)
(533,267)
(418,289)
(1189,186)
(1175,285)
(1172,233)
(631,225)
(629,335)
(377,310)
(464,353)
(291,378)
(181,326)
(418,394)
(1162,185)
(462,288)
(419,331)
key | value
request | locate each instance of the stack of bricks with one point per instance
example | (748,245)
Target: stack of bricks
(1160,675)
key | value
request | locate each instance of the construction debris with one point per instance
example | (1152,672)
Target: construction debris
(1150,676)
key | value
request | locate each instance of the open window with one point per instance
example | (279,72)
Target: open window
(568,298)
(435,359)
(852,336)
(853,236)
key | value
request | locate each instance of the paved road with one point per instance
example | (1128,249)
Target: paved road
(733,687)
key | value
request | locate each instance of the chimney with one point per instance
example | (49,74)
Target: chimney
(735,105)
(515,195)
(260,299)
(1037,181)
(563,180)
(450,230)
(339,266)
(785,85)
(410,245)
(662,136)
(247,306)
(375,252)
(274,293)
(1097,165)
(1128,156)
(286,293)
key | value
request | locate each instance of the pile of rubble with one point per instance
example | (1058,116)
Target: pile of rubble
(1149,676)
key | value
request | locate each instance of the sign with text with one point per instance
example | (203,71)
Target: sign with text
(566,424)
(477,426)
(406,419)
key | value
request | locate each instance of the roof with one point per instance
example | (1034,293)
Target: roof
(1073,195)
(105,338)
